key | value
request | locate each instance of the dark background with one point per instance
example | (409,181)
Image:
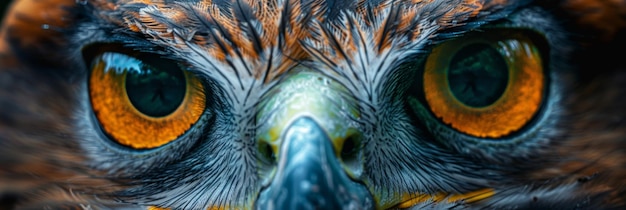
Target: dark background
(3,6)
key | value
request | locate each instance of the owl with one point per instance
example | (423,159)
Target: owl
(313,104)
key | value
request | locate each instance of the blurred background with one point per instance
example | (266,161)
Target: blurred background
(3,7)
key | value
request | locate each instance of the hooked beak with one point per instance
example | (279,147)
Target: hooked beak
(309,174)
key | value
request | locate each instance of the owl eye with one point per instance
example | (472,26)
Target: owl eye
(143,102)
(486,86)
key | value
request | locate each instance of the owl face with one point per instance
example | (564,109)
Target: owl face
(306,104)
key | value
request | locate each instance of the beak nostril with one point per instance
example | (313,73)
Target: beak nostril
(350,147)
(350,153)
(267,160)
(270,153)
(267,153)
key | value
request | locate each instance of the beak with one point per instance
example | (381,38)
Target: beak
(309,174)
(309,130)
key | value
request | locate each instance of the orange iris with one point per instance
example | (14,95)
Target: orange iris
(486,86)
(141,106)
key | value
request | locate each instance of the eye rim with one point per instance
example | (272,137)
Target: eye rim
(488,121)
(527,140)
(95,51)
(102,153)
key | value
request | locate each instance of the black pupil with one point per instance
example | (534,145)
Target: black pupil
(478,75)
(156,92)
